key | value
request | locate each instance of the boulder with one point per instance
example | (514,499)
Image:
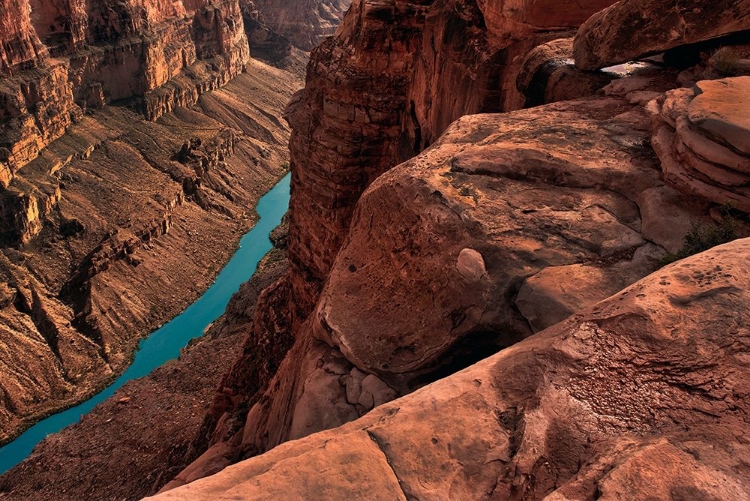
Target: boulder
(631,29)
(701,138)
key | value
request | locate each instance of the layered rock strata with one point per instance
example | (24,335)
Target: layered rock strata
(126,221)
(643,395)
(384,89)
(161,54)
(475,241)
(702,137)
(631,29)
(303,22)
(377,93)
(134,443)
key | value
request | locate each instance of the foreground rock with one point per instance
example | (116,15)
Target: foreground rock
(631,29)
(702,137)
(641,396)
(506,225)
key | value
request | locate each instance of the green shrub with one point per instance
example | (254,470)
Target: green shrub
(703,237)
(725,61)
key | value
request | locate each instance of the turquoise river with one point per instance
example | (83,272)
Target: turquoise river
(166,343)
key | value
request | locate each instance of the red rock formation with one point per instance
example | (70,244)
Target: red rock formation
(127,221)
(163,53)
(384,89)
(635,28)
(379,92)
(304,22)
(701,137)
(644,395)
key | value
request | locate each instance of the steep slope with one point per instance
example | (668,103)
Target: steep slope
(304,22)
(134,443)
(143,215)
(643,396)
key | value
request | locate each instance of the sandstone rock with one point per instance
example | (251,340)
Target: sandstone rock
(384,88)
(548,75)
(721,108)
(443,243)
(145,236)
(643,395)
(631,29)
(557,292)
(700,139)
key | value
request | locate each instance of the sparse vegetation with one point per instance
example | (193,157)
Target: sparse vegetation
(725,61)
(705,236)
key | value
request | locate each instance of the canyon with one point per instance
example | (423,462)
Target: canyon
(514,264)
(136,139)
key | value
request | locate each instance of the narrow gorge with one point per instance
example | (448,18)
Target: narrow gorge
(515,263)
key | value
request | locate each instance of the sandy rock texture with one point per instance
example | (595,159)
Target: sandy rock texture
(702,137)
(643,395)
(508,224)
(631,29)
(393,78)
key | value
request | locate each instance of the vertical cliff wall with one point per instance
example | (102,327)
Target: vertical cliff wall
(162,54)
(305,22)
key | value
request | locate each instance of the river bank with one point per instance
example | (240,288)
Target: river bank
(176,394)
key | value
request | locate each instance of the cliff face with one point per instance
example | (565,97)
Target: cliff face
(471,246)
(132,219)
(304,22)
(384,89)
(163,54)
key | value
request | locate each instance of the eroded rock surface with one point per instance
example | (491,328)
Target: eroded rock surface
(125,222)
(135,442)
(304,22)
(494,219)
(472,241)
(631,29)
(643,395)
(162,54)
(702,137)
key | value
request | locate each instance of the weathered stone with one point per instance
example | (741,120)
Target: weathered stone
(643,395)
(699,137)
(631,29)
(721,109)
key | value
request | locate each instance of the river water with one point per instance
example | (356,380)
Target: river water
(166,343)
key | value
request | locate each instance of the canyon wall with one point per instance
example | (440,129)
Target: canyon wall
(124,182)
(467,248)
(63,56)
(304,22)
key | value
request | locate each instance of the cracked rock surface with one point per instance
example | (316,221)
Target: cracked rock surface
(643,395)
